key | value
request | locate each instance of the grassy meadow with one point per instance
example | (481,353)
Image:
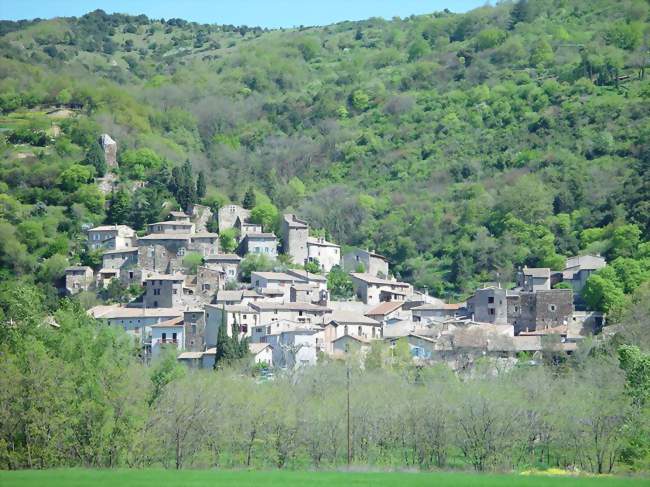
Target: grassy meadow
(195,478)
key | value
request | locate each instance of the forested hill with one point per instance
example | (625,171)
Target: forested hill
(459,145)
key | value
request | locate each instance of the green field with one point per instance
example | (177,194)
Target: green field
(189,478)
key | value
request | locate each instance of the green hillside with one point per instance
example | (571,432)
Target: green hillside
(460,146)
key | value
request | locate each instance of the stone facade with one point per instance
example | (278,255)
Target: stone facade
(163,291)
(111,237)
(295,233)
(540,310)
(489,305)
(110,150)
(78,278)
(228,263)
(228,215)
(260,243)
(373,264)
(194,322)
(326,253)
(208,281)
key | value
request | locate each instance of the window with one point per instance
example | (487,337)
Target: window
(174,336)
(193,329)
(299,313)
(551,307)
(244,317)
(181,251)
(155,304)
(491,299)
(156,292)
(174,291)
(130,274)
(359,331)
(345,330)
(491,311)
(164,337)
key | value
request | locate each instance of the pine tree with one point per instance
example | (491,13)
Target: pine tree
(119,208)
(249,199)
(200,185)
(95,157)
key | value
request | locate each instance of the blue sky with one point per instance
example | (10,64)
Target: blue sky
(265,13)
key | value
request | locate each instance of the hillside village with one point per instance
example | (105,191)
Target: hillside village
(288,317)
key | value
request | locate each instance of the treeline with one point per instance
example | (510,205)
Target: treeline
(73,392)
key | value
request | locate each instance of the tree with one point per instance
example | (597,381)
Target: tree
(603,294)
(249,200)
(313,266)
(119,207)
(228,240)
(192,261)
(200,185)
(266,214)
(339,284)
(95,157)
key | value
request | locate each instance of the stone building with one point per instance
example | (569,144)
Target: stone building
(327,254)
(110,150)
(531,279)
(164,252)
(179,227)
(374,290)
(78,278)
(244,228)
(228,263)
(201,216)
(228,214)
(528,311)
(209,281)
(111,237)
(372,263)
(163,291)
(194,323)
(489,305)
(179,216)
(295,233)
(260,243)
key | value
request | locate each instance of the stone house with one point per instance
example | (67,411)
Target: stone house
(120,264)
(305,277)
(201,215)
(307,293)
(374,264)
(164,252)
(243,317)
(327,254)
(166,334)
(576,272)
(209,281)
(193,360)
(78,278)
(228,214)
(294,233)
(259,243)
(348,343)
(111,237)
(295,348)
(179,227)
(435,311)
(274,280)
(528,311)
(194,329)
(374,290)
(240,296)
(135,321)
(163,291)
(488,305)
(304,313)
(386,311)
(179,216)
(228,263)
(244,228)
(341,323)
(532,279)
(260,331)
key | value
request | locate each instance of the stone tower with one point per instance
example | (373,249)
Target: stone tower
(110,150)
(295,233)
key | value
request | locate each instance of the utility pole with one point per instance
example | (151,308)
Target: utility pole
(349,431)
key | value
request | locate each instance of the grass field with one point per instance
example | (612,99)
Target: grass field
(190,478)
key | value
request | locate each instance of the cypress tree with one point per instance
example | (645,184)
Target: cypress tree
(200,185)
(95,157)
(119,208)
(249,199)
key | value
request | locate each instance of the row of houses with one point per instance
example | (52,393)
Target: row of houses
(288,316)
